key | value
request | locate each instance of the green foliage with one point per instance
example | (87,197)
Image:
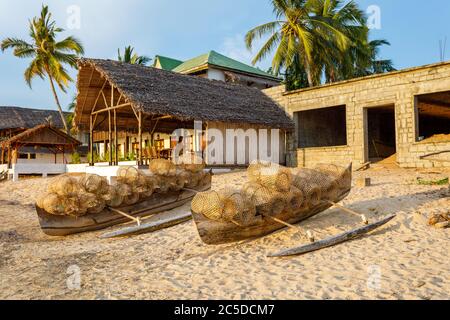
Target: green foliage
(48,55)
(318,40)
(442,182)
(75,158)
(132,58)
(70,117)
(95,155)
(131,156)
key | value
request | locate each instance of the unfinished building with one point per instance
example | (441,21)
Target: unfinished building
(401,117)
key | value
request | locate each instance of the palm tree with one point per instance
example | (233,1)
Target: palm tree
(319,39)
(377,65)
(132,58)
(71,108)
(301,28)
(335,62)
(49,55)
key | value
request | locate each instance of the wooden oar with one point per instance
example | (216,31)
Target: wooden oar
(306,233)
(362,216)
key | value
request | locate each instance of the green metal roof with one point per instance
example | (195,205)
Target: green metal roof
(216,59)
(167,63)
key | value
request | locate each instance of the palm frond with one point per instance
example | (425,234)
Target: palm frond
(70,44)
(261,31)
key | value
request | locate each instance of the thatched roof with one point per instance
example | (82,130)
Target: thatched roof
(44,135)
(186,98)
(25,118)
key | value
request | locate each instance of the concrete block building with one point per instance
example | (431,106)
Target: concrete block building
(402,115)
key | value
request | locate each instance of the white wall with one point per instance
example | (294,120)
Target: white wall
(242,150)
(215,74)
(46,158)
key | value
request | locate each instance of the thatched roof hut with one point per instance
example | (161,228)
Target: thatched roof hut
(158,92)
(41,136)
(26,118)
(115,96)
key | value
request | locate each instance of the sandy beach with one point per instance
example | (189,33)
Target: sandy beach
(406,259)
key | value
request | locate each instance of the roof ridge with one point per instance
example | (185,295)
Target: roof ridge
(213,57)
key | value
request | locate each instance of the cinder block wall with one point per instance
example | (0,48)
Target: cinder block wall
(396,88)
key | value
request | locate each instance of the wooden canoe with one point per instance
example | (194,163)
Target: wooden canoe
(215,232)
(65,225)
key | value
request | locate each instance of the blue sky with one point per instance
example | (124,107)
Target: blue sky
(184,29)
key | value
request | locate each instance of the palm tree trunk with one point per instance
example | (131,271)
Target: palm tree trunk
(308,73)
(58,105)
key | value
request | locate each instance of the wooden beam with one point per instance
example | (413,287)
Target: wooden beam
(162,117)
(112,108)
(116,162)
(140,138)
(110,139)
(91,141)
(116,138)
(87,91)
(98,96)
(105,101)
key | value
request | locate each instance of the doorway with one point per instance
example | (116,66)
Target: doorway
(380,134)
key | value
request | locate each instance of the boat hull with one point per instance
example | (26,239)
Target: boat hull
(159,202)
(215,232)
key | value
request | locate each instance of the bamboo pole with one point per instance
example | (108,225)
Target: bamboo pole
(308,234)
(362,216)
(110,139)
(112,108)
(9,156)
(137,220)
(91,141)
(116,153)
(140,138)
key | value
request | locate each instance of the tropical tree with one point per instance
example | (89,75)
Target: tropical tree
(317,39)
(48,55)
(374,64)
(132,58)
(302,27)
(71,108)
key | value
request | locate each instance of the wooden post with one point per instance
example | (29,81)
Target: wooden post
(126,148)
(91,141)
(110,139)
(3,156)
(116,153)
(116,156)
(9,156)
(140,138)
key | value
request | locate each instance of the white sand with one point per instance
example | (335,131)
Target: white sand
(404,260)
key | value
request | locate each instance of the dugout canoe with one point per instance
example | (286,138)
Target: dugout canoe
(215,232)
(159,202)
